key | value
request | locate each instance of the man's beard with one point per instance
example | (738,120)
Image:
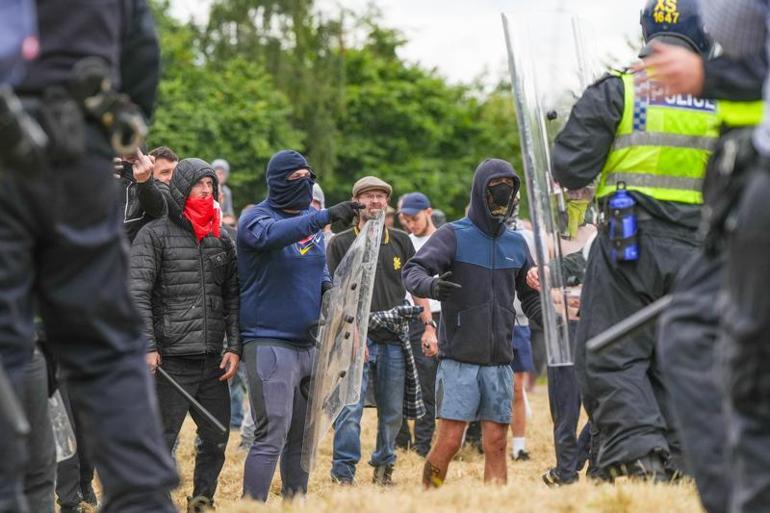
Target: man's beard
(367,214)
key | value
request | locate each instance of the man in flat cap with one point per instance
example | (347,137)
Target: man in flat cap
(386,361)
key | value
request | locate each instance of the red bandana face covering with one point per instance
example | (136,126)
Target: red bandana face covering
(203,215)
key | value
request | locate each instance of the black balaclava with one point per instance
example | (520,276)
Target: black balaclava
(499,199)
(283,193)
(479,211)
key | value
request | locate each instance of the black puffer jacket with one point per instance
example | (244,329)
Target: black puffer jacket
(186,292)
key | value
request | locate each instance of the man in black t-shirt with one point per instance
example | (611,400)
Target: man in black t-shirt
(386,359)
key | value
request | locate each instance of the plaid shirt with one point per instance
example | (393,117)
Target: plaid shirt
(740,26)
(396,320)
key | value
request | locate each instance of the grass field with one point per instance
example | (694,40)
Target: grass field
(463,491)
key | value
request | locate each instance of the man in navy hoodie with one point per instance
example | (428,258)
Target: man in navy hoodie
(487,265)
(283,273)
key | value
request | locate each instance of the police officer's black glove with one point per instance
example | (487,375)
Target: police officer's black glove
(442,288)
(344,212)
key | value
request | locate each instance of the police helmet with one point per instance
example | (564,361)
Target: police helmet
(674,20)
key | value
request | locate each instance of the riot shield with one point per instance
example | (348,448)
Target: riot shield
(341,341)
(551,65)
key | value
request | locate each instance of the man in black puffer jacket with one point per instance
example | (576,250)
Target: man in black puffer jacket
(184,283)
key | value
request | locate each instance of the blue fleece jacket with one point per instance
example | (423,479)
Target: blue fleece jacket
(282,257)
(281,266)
(491,264)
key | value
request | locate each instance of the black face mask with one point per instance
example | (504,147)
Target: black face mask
(498,198)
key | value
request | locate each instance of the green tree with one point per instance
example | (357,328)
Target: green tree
(231,110)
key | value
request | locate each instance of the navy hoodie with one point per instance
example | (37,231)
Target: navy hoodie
(491,263)
(282,259)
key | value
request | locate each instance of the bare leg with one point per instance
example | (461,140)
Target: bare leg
(519,422)
(493,438)
(450,436)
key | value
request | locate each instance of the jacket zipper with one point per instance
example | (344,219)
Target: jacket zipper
(203,289)
(492,305)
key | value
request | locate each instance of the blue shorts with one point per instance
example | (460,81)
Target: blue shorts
(522,350)
(469,392)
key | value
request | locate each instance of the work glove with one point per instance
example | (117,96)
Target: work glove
(344,212)
(442,288)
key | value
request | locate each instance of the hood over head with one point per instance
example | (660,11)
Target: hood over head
(283,193)
(479,212)
(186,175)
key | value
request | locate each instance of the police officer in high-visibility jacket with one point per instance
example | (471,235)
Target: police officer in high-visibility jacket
(689,331)
(649,151)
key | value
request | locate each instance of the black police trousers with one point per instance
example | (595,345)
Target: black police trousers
(622,385)
(61,244)
(688,354)
(746,324)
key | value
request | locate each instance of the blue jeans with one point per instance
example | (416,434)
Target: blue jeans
(388,369)
(237,390)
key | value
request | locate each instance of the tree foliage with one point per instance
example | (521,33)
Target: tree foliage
(264,75)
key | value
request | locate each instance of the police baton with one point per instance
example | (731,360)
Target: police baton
(195,404)
(630,324)
(10,408)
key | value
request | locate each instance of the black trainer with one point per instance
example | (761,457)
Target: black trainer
(89,496)
(552,479)
(72,509)
(520,456)
(199,504)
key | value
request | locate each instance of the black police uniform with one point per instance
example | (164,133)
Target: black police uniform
(689,330)
(629,409)
(62,243)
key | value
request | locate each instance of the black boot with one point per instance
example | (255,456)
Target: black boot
(383,475)
(647,468)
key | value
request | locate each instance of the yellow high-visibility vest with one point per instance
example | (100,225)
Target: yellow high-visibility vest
(737,114)
(661,145)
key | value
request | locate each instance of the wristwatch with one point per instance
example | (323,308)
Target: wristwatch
(430,323)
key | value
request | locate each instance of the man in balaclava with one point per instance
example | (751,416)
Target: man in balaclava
(283,274)
(475,266)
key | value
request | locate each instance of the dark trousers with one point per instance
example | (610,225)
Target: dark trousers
(564,401)
(40,473)
(62,244)
(276,375)
(426,372)
(73,475)
(623,385)
(687,353)
(572,450)
(199,376)
(746,321)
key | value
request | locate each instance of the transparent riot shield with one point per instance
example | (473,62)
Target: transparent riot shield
(341,342)
(551,65)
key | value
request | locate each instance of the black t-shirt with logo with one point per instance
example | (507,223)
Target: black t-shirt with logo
(396,249)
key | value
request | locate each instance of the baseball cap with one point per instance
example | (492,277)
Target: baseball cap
(413,203)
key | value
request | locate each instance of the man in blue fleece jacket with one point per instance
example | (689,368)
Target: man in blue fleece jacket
(488,265)
(283,273)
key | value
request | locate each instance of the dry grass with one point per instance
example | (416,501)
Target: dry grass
(464,490)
